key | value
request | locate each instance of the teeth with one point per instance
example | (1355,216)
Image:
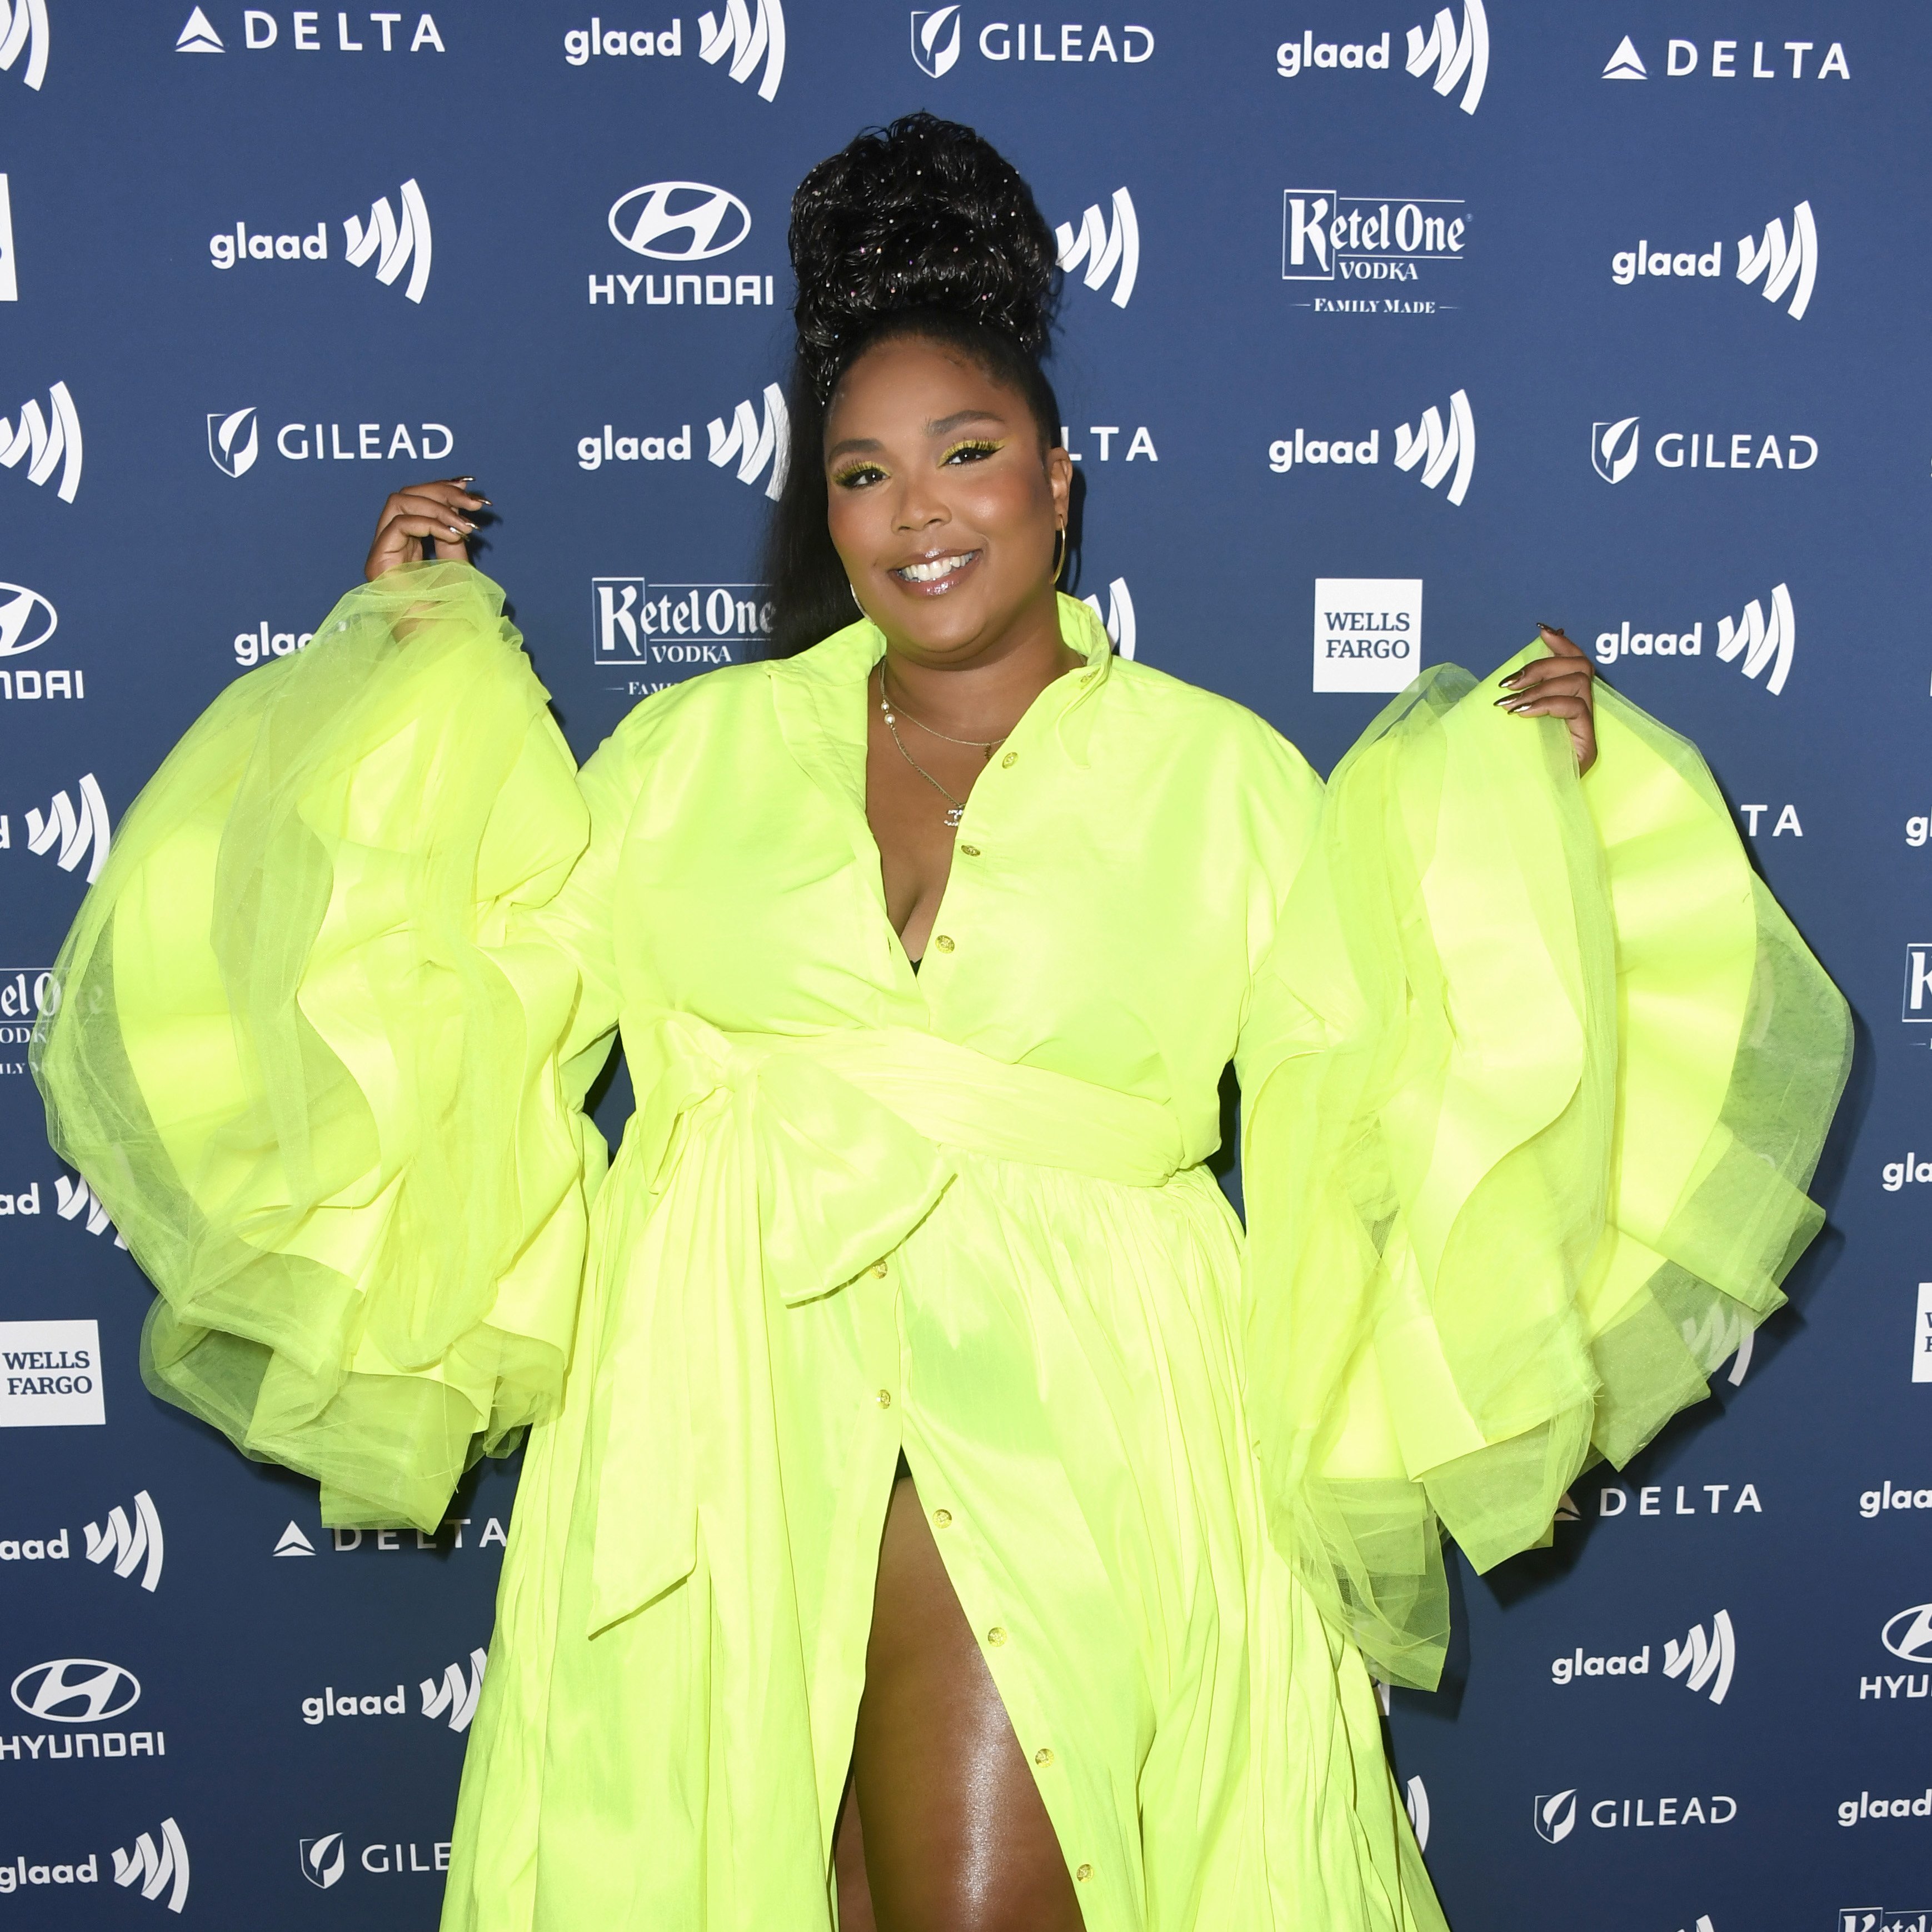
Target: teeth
(940,566)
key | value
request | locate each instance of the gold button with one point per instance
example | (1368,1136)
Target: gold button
(942,1517)
(1084,1872)
(996,1635)
(1088,677)
(1043,1755)
(879,1269)
(884,1398)
(1010,760)
(971,851)
(944,944)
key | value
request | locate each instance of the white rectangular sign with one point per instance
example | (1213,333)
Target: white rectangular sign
(50,1375)
(1922,1335)
(1368,632)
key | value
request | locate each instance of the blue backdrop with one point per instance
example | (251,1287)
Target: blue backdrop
(1386,335)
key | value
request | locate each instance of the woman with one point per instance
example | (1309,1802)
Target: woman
(912,1418)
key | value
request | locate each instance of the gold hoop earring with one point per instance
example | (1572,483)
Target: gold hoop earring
(1060,555)
(856,604)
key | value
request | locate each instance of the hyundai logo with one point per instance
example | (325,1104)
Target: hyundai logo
(1909,1634)
(707,221)
(76,1690)
(27,620)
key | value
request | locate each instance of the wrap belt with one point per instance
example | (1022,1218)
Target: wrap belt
(774,1170)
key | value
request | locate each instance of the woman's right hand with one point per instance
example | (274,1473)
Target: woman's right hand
(424,519)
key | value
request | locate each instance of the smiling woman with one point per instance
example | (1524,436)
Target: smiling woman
(940,1513)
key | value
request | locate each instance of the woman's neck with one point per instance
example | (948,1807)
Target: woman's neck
(983,695)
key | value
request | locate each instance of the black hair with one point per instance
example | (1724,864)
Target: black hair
(921,228)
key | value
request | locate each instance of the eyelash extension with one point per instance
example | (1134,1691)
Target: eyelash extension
(845,478)
(975,445)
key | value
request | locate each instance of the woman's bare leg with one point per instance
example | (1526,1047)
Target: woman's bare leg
(954,1837)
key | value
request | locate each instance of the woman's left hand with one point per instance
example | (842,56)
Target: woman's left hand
(1561,685)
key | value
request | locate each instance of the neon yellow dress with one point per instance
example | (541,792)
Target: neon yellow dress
(1535,1073)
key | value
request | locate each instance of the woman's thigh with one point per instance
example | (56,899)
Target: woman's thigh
(955,1838)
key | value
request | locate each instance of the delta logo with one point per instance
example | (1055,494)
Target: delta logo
(355,33)
(1770,60)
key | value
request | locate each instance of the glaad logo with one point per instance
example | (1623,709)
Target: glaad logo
(1104,246)
(1456,57)
(76,1690)
(156,1868)
(322,1859)
(1415,1802)
(748,39)
(713,224)
(1759,641)
(1871,1502)
(754,442)
(75,1199)
(233,440)
(27,620)
(1909,1634)
(1438,451)
(407,244)
(134,1545)
(1682,57)
(79,834)
(1555,1816)
(1119,617)
(47,444)
(23,29)
(1705,1665)
(1780,266)
(935,41)
(456,1692)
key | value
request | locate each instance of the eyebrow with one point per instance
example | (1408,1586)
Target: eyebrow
(942,426)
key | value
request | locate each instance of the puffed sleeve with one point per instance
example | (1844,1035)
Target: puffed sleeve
(326,1022)
(1534,1080)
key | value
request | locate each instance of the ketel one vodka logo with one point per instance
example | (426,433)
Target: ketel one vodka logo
(1105,244)
(47,440)
(1326,237)
(674,629)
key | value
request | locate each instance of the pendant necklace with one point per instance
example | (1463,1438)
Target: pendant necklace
(988,745)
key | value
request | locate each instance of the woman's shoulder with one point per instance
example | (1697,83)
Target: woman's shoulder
(1202,721)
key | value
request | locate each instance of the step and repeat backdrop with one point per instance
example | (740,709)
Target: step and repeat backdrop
(1386,334)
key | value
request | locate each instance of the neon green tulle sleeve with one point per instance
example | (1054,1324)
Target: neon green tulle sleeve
(326,1021)
(1535,1079)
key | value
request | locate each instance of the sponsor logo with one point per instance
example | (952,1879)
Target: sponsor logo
(257,646)
(1792,270)
(937,42)
(1460,57)
(1368,632)
(75,1199)
(71,834)
(1557,1817)
(23,30)
(754,441)
(131,1544)
(1909,1634)
(1882,1918)
(1119,618)
(1415,1802)
(1705,1664)
(393,245)
(1723,1499)
(1615,448)
(156,1868)
(702,221)
(1141,443)
(1787,821)
(1856,1810)
(292,1543)
(1440,450)
(1105,243)
(582,45)
(234,441)
(47,440)
(1763,643)
(26,992)
(9,282)
(27,620)
(19,1873)
(1685,58)
(746,39)
(50,1375)
(261,30)
(454,1696)
(674,629)
(76,1690)
(325,1860)
(391,1539)
(1873,1502)
(1326,237)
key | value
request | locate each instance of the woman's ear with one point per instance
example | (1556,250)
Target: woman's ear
(1059,481)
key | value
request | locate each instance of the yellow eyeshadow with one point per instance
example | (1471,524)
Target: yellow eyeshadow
(980,443)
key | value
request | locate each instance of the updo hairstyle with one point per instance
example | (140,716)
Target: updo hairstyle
(921,228)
